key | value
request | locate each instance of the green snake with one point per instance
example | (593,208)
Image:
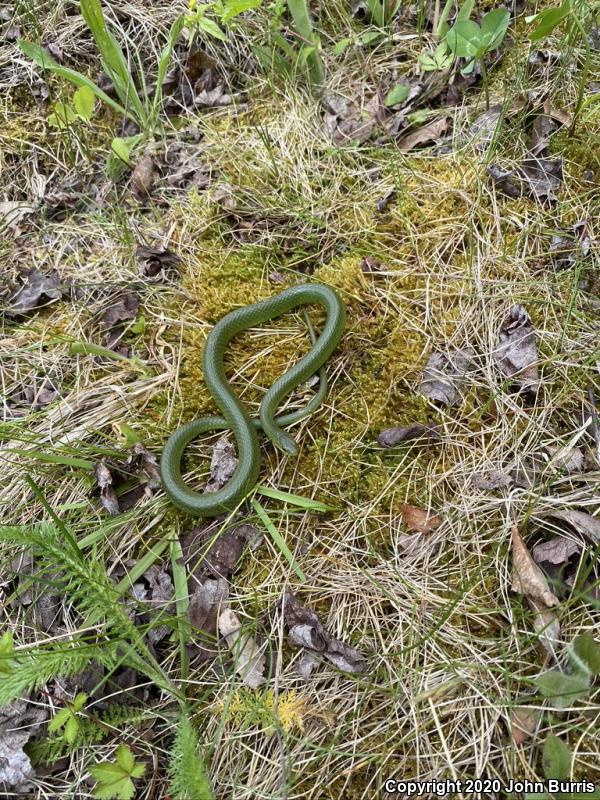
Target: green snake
(235,416)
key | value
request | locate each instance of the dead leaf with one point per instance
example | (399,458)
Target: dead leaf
(124,310)
(208,98)
(567,459)
(111,476)
(506,181)
(516,352)
(557,550)
(222,464)
(143,175)
(305,630)
(542,177)
(483,128)
(34,397)
(582,522)
(160,598)
(209,555)
(19,721)
(427,133)
(205,602)
(383,202)
(490,480)
(248,657)
(528,578)
(153,261)
(566,248)
(391,437)
(12,212)
(541,130)
(37,290)
(523,722)
(444,374)
(530,581)
(557,114)
(346,121)
(419,520)
(370,265)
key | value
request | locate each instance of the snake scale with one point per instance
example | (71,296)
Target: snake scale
(235,416)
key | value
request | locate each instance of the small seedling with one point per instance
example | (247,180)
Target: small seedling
(114,780)
(67,719)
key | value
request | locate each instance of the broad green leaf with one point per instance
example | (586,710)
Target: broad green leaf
(586,653)
(233,8)
(42,58)
(210,26)
(396,95)
(427,62)
(494,26)
(62,116)
(121,149)
(556,758)
(464,38)
(549,19)
(6,653)
(114,780)
(563,690)
(341,46)
(83,101)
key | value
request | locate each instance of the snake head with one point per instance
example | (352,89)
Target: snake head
(287,444)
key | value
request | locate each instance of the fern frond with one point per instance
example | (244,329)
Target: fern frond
(187,776)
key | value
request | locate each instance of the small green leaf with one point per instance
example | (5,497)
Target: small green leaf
(494,26)
(341,46)
(464,38)
(130,434)
(83,102)
(114,780)
(556,758)
(210,26)
(548,20)
(586,653)
(397,95)
(6,653)
(370,37)
(233,8)
(71,729)
(62,116)
(121,149)
(561,689)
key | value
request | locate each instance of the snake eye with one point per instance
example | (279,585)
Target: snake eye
(287,444)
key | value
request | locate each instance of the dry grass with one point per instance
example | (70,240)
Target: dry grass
(452,649)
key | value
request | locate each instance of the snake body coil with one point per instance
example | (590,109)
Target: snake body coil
(235,417)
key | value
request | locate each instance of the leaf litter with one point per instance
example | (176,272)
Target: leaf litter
(19,721)
(444,374)
(36,291)
(113,479)
(306,630)
(516,352)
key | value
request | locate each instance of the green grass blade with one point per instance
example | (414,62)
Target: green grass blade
(163,61)
(277,539)
(89,349)
(181,603)
(42,58)
(293,499)
(113,59)
(50,458)
(300,12)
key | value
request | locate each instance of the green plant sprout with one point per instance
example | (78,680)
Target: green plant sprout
(68,719)
(114,779)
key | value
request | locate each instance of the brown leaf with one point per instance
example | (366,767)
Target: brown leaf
(306,630)
(557,550)
(208,98)
(124,310)
(523,722)
(205,602)
(383,202)
(248,657)
(222,464)
(491,480)
(516,352)
(152,261)
(19,721)
(582,522)
(528,578)
(391,437)
(37,290)
(12,212)
(444,374)
(418,519)
(143,175)
(111,475)
(482,130)
(557,114)
(207,554)
(565,248)
(346,121)
(427,133)
(34,397)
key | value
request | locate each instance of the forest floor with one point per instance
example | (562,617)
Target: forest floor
(430,613)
